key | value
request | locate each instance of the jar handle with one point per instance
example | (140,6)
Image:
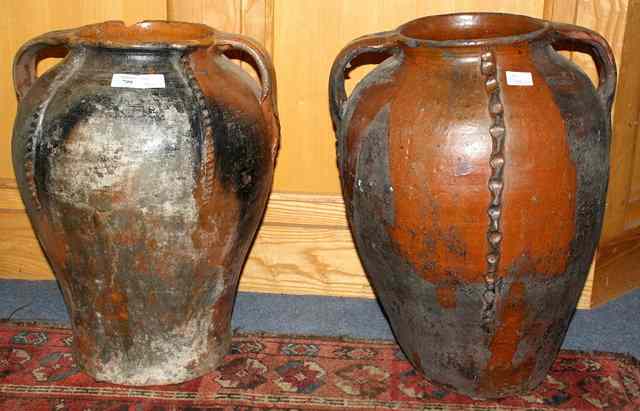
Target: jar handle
(261,59)
(374,43)
(568,37)
(26,59)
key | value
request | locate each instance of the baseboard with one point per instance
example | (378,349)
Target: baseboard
(304,247)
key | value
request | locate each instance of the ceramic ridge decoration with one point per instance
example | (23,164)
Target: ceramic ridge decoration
(207,155)
(29,156)
(496,183)
(145,159)
(476,200)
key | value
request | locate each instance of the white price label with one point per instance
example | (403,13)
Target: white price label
(137,80)
(519,78)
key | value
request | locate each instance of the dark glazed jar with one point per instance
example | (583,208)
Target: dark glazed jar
(474,165)
(145,159)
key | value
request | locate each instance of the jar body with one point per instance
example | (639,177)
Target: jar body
(476,205)
(145,201)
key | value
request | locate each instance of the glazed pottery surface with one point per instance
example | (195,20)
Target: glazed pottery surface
(474,165)
(145,192)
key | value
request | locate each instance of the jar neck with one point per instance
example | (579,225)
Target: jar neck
(423,50)
(99,57)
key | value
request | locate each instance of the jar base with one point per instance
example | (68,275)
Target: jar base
(180,368)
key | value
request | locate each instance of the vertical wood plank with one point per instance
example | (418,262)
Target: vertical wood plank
(633,205)
(252,18)
(564,11)
(308,36)
(561,11)
(225,15)
(607,17)
(257,21)
(625,125)
(533,8)
(617,21)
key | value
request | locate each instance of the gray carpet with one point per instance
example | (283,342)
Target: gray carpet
(613,327)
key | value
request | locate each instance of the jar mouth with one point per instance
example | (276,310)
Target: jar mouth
(148,34)
(472,29)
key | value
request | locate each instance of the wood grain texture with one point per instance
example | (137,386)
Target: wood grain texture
(632,218)
(607,17)
(253,18)
(20,254)
(618,269)
(585,301)
(625,128)
(633,207)
(303,247)
(609,284)
(21,20)
(225,15)
(250,17)
(304,56)
(563,11)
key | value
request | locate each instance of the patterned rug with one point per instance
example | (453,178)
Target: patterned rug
(37,372)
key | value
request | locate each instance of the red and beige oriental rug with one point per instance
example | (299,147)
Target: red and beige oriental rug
(37,372)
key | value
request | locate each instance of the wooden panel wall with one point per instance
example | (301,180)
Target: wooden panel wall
(306,162)
(616,20)
(304,246)
(605,17)
(250,17)
(303,37)
(609,18)
(632,130)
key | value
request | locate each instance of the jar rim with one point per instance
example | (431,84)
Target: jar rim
(472,29)
(147,34)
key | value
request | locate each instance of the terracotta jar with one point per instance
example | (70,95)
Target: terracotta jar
(474,165)
(145,159)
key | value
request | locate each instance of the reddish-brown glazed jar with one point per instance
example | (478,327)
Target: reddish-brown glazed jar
(475,195)
(145,190)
